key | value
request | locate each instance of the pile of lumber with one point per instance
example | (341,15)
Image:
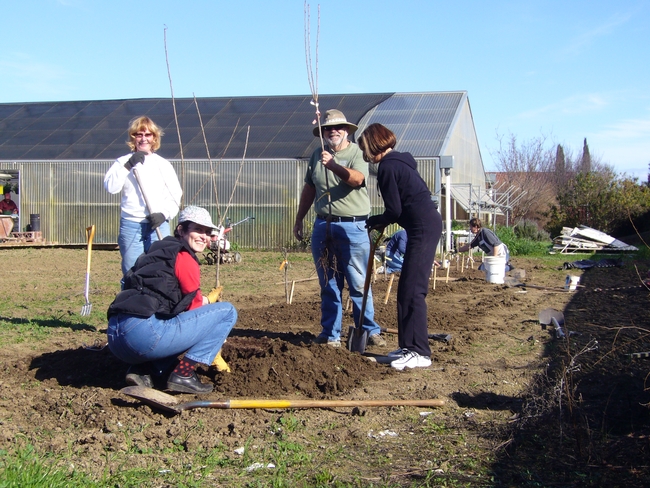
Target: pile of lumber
(586,239)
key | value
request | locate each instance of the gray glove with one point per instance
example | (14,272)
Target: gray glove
(137,158)
(155,219)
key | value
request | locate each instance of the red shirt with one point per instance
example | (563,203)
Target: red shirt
(188,272)
(8,206)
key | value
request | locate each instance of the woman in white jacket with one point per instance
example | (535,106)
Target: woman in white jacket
(159,182)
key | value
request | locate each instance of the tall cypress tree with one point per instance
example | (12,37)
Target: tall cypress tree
(585,162)
(560,161)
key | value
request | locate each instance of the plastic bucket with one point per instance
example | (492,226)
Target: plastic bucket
(495,269)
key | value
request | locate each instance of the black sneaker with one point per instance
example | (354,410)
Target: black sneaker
(139,375)
(187,384)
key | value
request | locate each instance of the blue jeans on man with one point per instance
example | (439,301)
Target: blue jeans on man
(348,248)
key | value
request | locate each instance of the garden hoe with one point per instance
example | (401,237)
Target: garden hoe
(357,337)
(168,403)
(90,234)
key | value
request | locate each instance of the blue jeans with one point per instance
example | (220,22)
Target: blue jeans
(350,246)
(199,333)
(136,238)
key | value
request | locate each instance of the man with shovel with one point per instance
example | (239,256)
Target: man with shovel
(151,193)
(335,184)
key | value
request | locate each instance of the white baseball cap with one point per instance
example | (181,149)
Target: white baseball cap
(197,215)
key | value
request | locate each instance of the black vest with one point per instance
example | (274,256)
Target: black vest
(151,286)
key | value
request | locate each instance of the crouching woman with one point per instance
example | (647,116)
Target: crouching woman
(161,312)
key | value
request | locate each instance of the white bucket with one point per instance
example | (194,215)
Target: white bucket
(495,269)
(571,282)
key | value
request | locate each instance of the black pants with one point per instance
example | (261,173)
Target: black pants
(423,236)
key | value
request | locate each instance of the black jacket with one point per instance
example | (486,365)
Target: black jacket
(151,286)
(407,198)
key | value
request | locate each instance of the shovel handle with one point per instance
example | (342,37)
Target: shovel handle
(250,404)
(331,403)
(366,283)
(146,200)
(90,235)
(170,403)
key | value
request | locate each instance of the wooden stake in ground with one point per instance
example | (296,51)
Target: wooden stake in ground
(435,272)
(285,266)
(448,262)
(293,287)
(390,285)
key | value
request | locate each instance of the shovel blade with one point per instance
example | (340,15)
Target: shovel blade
(548,314)
(153,398)
(357,339)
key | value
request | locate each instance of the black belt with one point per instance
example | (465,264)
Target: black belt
(334,218)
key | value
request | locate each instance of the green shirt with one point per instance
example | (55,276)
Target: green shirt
(346,201)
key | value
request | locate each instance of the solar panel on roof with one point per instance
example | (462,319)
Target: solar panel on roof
(280,126)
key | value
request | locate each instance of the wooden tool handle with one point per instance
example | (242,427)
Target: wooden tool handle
(146,200)
(249,404)
(390,286)
(332,403)
(90,234)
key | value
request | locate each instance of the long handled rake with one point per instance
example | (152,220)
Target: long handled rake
(90,234)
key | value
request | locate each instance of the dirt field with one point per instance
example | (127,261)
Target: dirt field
(522,408)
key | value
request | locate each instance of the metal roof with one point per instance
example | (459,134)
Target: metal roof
(421,121)
(280,126)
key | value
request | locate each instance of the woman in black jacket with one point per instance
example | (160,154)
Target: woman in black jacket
(407,202)
(162,312)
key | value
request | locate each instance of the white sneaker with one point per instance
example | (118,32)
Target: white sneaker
(380,270)
(411,359)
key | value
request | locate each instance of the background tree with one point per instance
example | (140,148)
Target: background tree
(585,161)
(561,172)
(599,199)
(560,160)
(558,189)
(526,169)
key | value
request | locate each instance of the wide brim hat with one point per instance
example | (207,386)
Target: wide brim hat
(197,215)
(335,117)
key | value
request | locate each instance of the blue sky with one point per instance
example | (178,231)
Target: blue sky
(561,69)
